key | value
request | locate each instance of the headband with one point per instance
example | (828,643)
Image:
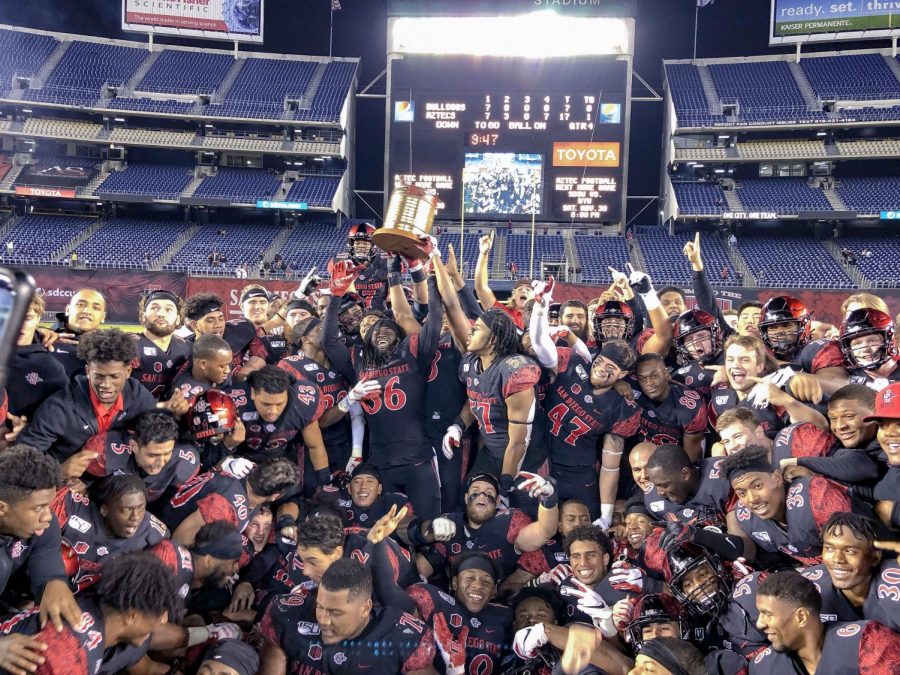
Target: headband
(311,326)
(485,478)
(660,653)
(204,309)
(367,469)
(234,654)
(301,304)
(477,562)
(618,354)
(161,295)
(254,293)
(229,547)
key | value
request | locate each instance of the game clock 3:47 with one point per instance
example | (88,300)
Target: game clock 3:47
(486,140)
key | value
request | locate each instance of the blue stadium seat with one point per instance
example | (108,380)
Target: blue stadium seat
(243,186)
(37,238)
(22,54)
(241,243)
(123,242)
(700,199)
(186,72)
(784,196)
(792,262)
(314,190)
(666,263)
(159,181)
(596,253)
(870,196)
(853,77)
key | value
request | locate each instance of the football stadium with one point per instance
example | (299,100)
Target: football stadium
(450,337)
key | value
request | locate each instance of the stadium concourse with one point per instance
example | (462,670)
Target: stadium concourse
(239,437)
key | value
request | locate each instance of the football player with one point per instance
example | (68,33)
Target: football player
(85,312)
(161,353)
(209,367)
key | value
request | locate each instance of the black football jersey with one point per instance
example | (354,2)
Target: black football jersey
(289,623)
(444,393)
(156,368)
(707,506)
(571,612)
(371,284)
(722,397)
(682,412)
(496,538)
(882,604)
(180,562)
(695,376)
(217,495)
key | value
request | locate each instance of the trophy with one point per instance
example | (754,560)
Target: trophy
(409,216)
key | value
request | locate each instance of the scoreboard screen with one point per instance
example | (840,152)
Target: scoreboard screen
(502,138)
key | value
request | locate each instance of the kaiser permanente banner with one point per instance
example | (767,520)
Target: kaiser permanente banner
(236,20)
(825,20)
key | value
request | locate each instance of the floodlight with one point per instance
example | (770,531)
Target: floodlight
(543,34)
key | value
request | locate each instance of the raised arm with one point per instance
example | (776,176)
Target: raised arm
(456,318)
(403,313)
(706,299)
(485,295)
(430,337)
(539,328)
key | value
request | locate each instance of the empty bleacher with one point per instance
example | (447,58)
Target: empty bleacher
(550,248)
(22,54)
(869,196)
(150,105)
(596,253)
(764,90)
(55,128)
(243,186)
(241,243)
(880,267)
(784,196)
(36,238)
(792,262)
(700,154)
(869,148)
(788,148)
(186,72)
(262,86)
(124,242)
(468,256)
(312,244)
(329,98)
(159,181)
(666,263)
(700,199)
(854,77)
(314,190)
(691,103)
(161,137)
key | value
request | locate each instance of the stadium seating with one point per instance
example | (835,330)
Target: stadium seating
(597,253)
(123,242)
(549,248)
(870,113)
(886,146)
(160,137)
(329,99)
(870,196)
(469,254)
(155,180)
(314,190)
(854,77)
(312,244)
(37,238)
(784,196)
(691,103)
(241,243)
(54,128)
(666,263)
(700,199)
(792,262)
(186,72)
(789,148)
(881,267)
(262,86)
(22,54)
(243,186)
(151,105)
(84,69)
(700,154)
(764,91)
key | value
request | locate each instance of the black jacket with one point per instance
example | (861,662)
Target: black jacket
(33,374)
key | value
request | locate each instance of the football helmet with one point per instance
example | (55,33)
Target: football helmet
(656,608)
(613,309)
(784,309)
(361,232)
(211,414)
(553,311)
(707,597)
(691,322)
(867,321)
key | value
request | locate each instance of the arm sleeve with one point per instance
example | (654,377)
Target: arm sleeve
(45,562)
(383,576)
(335,349)
(543,345)
(639,311)
(845,465)
(430,336)
(468,303)
(706,299)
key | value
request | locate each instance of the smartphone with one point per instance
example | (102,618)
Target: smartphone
(16,291)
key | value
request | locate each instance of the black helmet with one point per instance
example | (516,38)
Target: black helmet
(360,232)
(867,321)
(694,321)
(656,608)
(613,309)
(785,309)
(709,597)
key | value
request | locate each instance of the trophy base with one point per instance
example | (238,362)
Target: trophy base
(394,240)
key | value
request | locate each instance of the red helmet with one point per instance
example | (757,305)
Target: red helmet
(360,232)
(867,321)
(656,608)
(613,309)
(780,310)
(694,321)
(212,413)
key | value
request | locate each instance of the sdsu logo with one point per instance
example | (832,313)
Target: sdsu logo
(340,658)
(33,379)
(315,652)
(849,630)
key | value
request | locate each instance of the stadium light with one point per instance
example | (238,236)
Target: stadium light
(534,35)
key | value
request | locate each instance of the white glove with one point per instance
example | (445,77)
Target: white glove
(364,390)
(543,291)
(589,602)
(624,576)
(452,439)
(308,284)
(560,331)
(224,631)
(528,640)
(536,486)
(355,460)
(556,575)
(602,523)
(444,529)
(237,466)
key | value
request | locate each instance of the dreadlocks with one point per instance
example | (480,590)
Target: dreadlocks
(504,338)
(373,358)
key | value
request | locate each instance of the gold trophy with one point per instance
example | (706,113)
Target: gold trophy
(410,214)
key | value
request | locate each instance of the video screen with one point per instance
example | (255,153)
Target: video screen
(508,183)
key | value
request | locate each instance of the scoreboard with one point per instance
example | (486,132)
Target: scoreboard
(502,138)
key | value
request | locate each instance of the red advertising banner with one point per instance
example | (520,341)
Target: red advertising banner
(67,193)
(121,288)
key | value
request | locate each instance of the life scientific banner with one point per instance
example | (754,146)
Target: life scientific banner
(827,20)
(233,20)
(121,288)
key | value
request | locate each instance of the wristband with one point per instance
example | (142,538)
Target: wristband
(418,275)
(394,280)
(550,501)
(506,483)
(323,476)
(606,511)
(461,424)
(285,521)
(651,300)
(197,635)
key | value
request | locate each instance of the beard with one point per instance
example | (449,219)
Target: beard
(152,328)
